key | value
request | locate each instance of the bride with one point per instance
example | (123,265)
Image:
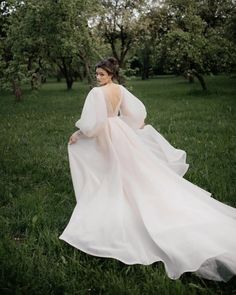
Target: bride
(133,203)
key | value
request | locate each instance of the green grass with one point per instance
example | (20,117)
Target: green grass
(37,196)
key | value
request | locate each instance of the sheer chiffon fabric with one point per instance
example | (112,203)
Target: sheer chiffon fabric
(133,203)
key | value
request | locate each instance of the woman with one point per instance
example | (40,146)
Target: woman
(132,202)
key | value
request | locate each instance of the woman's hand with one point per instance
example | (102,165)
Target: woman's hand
(74,137)
(142,126)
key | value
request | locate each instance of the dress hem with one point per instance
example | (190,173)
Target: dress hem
(192,270)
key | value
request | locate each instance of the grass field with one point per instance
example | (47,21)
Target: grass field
(37,196)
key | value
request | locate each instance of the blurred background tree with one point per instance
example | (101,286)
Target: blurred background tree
(65,39)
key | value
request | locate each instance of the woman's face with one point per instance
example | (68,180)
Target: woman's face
(103,77)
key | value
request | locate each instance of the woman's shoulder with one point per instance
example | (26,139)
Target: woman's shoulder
(93,91)
(102,88)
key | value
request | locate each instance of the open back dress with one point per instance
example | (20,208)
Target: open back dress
(132,202)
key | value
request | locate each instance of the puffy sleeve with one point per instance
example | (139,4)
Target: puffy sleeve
(132,110)
(94,114)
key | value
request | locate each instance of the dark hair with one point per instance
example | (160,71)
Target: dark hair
(110,65)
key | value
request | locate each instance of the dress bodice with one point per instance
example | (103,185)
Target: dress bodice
(111,110)
(113,100)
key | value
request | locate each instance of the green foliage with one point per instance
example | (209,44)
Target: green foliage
(68,37)
(37,195)
(119,25)
(41,36)
(188,36)
(196,42)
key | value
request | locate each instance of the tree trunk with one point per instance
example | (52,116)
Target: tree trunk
(190,76)
(191,79)
(145,60)
(88,73)
(69,82)
(17,91)
(58,76)
(67,72)
(145,71)
(200,79)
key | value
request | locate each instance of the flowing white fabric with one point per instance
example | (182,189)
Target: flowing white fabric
(133,203)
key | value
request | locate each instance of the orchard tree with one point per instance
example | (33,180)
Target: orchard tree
(11,72)
(156,23)
(215,13)
(192,46)
(120,25)
(220,19)
(40,36)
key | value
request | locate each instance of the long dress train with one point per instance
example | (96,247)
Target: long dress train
(133,203)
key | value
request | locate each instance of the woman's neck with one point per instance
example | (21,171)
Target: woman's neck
(109,83)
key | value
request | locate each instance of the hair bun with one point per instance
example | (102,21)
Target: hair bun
(113,60)
(110,65)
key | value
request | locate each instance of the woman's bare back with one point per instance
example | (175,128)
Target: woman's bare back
(112,94)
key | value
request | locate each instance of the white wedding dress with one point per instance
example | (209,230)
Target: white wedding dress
(133,203)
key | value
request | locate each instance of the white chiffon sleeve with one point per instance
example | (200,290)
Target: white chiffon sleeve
(132,110)
(94,114)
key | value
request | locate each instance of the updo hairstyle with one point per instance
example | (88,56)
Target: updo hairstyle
(110,65)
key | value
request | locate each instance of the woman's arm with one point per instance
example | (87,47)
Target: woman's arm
(132,110)
(94,114)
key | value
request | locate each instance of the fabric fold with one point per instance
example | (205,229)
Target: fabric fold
(133,203)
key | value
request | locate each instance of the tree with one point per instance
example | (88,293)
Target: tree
(40,36)
(194,46)
(119,26)
(12,72)
(156,22)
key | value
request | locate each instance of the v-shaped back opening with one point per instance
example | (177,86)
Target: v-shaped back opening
(113,98)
